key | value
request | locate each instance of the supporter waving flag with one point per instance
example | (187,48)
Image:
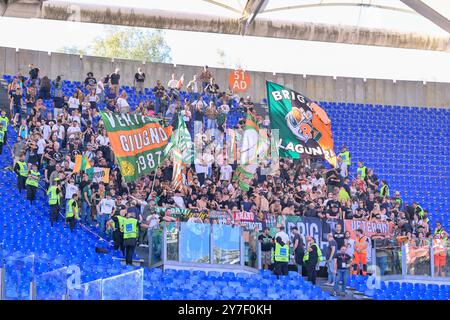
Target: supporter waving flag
(304,127)
(137,141)
(180,147)
(81,163)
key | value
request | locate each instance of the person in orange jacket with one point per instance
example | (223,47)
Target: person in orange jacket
(360,254)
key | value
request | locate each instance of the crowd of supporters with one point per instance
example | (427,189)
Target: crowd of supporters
(300,187)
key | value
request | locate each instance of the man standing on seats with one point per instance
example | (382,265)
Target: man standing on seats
(130,236)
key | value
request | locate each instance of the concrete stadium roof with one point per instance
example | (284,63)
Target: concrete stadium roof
(414,24)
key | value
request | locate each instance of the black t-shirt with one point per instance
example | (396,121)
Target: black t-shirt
(90,81)
(139,77)
(59,102)
(266,244)
(159,91)
(339,237)
(17,99)
(370,205)
(301,247)
(330,246)
(34,73)
(58,156)
(313,256)
(333,203)
(311,213)
(342,260)
(115,78)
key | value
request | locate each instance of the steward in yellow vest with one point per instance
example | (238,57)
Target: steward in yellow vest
(117,223)
(32,183)
(345,156)
(72,212)
(281,257)
(130,236)
(21,170)
(54,200)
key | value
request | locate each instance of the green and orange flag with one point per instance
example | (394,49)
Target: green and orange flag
(137,141)
(81,163)
(303,126)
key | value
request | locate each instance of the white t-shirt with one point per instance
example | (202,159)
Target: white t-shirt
(107,206)
(283,235)
(73,103)
(179,202)
(123,105)
(101,140)
(186,115)
(60,130)
(72,131)
(41,146)
(71,189)
(172,83)
(200,168)
(100,87)
(47,130)
(225,108)
(225,172)
(75,118)
(318,182)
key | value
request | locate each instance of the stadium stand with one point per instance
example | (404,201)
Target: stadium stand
(406,145)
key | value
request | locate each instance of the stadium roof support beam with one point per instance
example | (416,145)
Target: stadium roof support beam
(160,19)
(429,13)
(251,10)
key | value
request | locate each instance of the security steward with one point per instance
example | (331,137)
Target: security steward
(21,170)
(2,138)
(72,212)
(4,121)
(54,200)
(345,156)
(130,236)
(118,220)
(313,255)
(360,254)
(32,183)
(281,258)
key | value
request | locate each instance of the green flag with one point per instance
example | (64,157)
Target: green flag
(137,141)
(303,126)
(180,147)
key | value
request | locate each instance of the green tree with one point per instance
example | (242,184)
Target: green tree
(133,43)
(73,50)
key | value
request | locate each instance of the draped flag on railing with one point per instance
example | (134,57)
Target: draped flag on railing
(304,127)
(137,141)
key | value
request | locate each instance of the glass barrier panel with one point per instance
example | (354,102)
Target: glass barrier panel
(87,291)
(156,236)
(389,260)
(250,246)
(52,285)
(226,244)
(127,286)
(441,251)
(418,262)
(172,231)
(194,242)
(19,273)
